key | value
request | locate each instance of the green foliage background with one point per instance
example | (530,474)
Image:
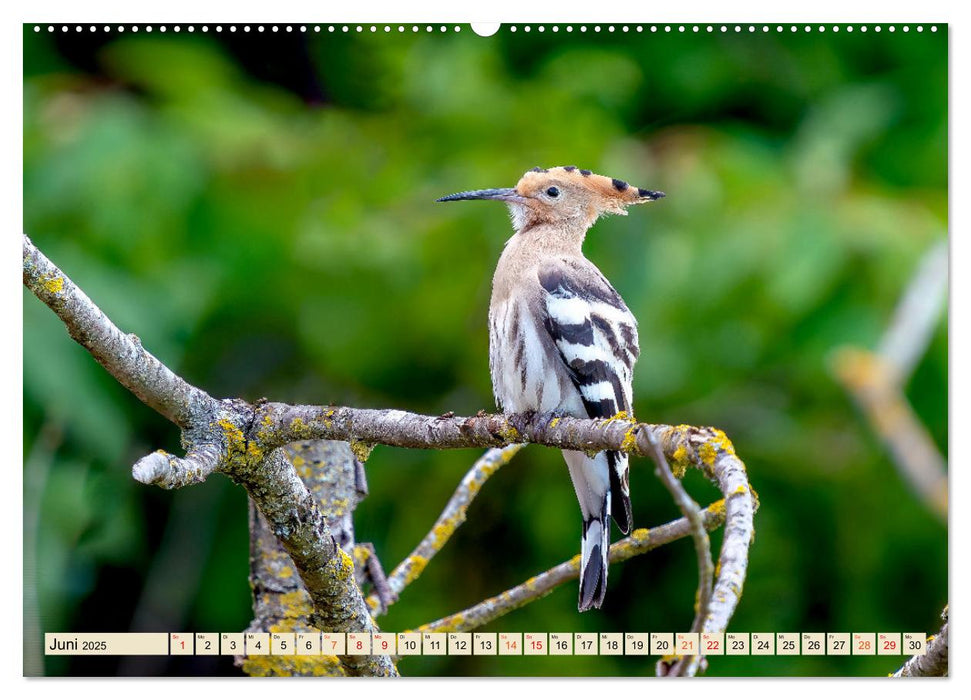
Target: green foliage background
(260,210)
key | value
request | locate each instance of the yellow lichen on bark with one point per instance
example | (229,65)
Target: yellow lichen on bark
(299,428)
(253,452)
(334,508)
(629,443)
(509,434)
(54,285)
(296,606)
(448,624)
(344,566)
(416,565)
(717,508)
(721,441)
(235,440)
(361,450)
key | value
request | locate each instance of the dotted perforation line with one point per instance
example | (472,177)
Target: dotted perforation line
(414,28)
(724,28)
(257,28)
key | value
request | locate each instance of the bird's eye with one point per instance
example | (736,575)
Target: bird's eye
(553,192)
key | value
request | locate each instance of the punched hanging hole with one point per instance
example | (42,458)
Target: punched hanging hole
(485,28)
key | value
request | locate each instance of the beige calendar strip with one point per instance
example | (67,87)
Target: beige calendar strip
(488,644)
(110,644)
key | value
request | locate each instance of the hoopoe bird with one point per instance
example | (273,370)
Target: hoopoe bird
(562,340)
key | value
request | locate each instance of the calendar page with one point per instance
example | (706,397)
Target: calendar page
(610,349)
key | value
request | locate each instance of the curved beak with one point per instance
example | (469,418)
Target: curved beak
(502,194)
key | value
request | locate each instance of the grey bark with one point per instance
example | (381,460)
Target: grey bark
(244,442)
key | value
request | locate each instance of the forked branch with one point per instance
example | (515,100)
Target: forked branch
(541,585)
(243,441)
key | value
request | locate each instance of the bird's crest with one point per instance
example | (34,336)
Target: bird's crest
(612,195)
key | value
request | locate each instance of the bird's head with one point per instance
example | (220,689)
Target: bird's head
(562,196)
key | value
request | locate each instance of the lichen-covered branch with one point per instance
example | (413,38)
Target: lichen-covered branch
(448,522)
(121,354)
(276,424)
(541,585)
(741,501)
(281,602)
(327,571)
(685,446)
(714,454)
(169,472)
(687,665)
(934,661)
(243,441)
(707,448)
(214,436)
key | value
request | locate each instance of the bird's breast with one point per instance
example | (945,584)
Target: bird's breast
(526,372)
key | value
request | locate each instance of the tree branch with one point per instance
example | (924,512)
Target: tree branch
(871,383)
(213,433)
(281,602)
(705,448)
(327,571)
(687,665)
(934,661)
(876,380)
(243,441)
(541,585)
(917,314)
(448,522)
(122,355)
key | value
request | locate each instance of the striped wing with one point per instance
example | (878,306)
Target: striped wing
(594,332)
(596,336)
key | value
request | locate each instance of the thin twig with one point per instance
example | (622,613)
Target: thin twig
(383,596)
(448,522)
(870,381)
(541,585)
(686,446)
(689,508)
(917,314)
(876,380)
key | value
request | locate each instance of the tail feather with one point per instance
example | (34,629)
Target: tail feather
(620,490)
(593,558)
(592,478)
